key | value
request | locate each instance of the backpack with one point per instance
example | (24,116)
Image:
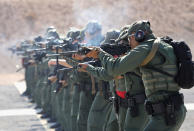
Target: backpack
(185,75)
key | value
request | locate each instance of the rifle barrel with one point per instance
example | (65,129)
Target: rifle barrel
(62,54)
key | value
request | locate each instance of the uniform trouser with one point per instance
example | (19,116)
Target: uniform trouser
(30,82)
(41,92)
(44,93)
(75,107)
(53,101)
(137,123)
(27,74)
(157,123)
(84,108)
(33,91)
(37,93)
(121,118)
(98,113)
(47,99)
(58,105)
(112,123)
(66,109)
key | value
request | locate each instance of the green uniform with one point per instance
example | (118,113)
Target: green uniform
(39,83)
(45,95)
(29,77)
(111,123)
(28,88)
(99,112)
(75,107)
(135,86)
(86,99)
(53,101)
(83,81)
(75,100)
(131,83)
(84,108)
(66,104)
(154,82)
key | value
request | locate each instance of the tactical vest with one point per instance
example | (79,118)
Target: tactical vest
(121,85)
(164,59)
(134,83)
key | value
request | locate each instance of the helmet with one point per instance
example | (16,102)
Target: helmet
(92,27)
(111,35)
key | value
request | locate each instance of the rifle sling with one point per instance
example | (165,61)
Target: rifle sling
(151,56)
(152,53)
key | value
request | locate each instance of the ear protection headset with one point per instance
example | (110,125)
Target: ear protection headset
(139,34)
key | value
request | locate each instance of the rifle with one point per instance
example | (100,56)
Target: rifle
(95,63)
(57,66)
(81,51)
(115,49)
(59,85)
(12,49)
(68,53)
(36,49)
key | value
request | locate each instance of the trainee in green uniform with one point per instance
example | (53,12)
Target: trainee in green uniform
(162,91)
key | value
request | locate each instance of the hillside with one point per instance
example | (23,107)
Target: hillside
(24,19)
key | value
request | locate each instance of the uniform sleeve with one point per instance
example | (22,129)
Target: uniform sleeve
(127,63)
(99,72)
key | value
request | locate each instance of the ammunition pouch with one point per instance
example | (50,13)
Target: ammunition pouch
(105,89)
(166,107)
(133,101)
(130,102)
(107,95)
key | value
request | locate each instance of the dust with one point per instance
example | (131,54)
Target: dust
(25,19)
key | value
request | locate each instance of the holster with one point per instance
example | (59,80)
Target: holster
(115,102)
(166,107)
(106,91)
(133,101)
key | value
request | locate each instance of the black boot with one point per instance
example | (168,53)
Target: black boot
(59,129)
(37,107)
(25,94)
(51,120)
(56,125)
(44,116)
(41,112)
